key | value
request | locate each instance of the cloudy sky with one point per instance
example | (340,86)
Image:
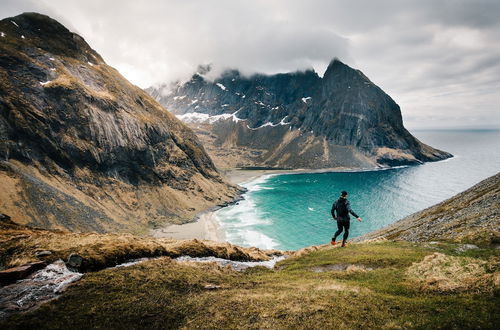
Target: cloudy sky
(439,60)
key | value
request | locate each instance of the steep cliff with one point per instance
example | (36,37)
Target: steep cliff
(296,120)
(84,149)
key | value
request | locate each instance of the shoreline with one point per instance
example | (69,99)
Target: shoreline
(205,227)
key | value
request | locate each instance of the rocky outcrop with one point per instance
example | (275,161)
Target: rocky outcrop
(471,216)
(82,148)
(86,252)
(296,120)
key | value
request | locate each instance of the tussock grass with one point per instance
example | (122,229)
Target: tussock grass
(443,273)
(163,293)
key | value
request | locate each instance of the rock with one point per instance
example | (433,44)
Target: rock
(74,261)
(296,120)
(211,287)
(67,115)
(4,218)
(17,273)
(43,253)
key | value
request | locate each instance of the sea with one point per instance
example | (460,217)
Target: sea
(292,211)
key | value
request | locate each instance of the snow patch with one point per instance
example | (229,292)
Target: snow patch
(198,117)
(51,58)
(282,122)
(2,34)
(14,23)
(22,37)
(90,64)
(270,124)
(45,82)
(305,99)
(179,97)
(221,86)
(194,101)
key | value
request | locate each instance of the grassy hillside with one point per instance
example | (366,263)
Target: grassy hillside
(369,285)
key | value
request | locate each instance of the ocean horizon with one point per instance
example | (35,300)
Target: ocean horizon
(292,210)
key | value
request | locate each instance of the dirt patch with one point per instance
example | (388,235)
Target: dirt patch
(351,268)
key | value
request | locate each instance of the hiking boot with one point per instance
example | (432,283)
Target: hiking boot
(333,242)
(344,244)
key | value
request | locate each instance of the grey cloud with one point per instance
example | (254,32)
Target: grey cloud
(437,59)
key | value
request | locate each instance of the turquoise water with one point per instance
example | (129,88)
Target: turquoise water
(293,211)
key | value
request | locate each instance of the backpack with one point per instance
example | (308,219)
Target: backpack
(342,211)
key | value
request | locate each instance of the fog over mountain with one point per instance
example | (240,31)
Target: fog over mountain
(439,60)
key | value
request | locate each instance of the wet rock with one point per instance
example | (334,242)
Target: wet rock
(42,285)
(43,253)
(4,217)
(17,273)
(74,261)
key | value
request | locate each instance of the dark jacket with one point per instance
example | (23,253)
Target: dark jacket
(342,207)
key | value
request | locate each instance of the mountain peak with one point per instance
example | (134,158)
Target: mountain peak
(337,66)
(44,32)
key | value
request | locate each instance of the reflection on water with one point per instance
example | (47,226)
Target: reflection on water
(293,211)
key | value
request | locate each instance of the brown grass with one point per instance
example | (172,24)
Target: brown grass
(443,273)
(18,245)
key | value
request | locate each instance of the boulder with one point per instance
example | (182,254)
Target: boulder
(17,273)
(42,253)
(74,261)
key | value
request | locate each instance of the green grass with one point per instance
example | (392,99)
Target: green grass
(165,294)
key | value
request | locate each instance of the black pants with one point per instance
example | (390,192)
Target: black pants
(342,225)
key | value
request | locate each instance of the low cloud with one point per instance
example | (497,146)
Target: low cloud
(437,59)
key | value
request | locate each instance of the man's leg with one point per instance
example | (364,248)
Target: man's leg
(346,232)
(337,233)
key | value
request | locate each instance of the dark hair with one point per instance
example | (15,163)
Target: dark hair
(343,193)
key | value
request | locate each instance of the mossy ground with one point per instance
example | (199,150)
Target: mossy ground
(165,294)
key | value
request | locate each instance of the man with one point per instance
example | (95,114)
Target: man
(343,208)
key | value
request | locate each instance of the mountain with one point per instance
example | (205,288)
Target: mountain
(471,216)
(81,148)
(295,120)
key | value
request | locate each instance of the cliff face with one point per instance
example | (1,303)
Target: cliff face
(82,148)
(296,120)
(472,216)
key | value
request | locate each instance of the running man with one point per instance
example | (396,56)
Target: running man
(343,208)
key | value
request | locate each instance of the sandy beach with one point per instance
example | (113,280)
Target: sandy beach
(206,227)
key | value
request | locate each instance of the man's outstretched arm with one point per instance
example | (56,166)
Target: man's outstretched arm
(352,212)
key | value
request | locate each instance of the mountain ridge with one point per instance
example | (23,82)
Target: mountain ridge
(82,148)
(296,119)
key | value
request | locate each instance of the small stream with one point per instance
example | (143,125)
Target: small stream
(41,286)
(50,282)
